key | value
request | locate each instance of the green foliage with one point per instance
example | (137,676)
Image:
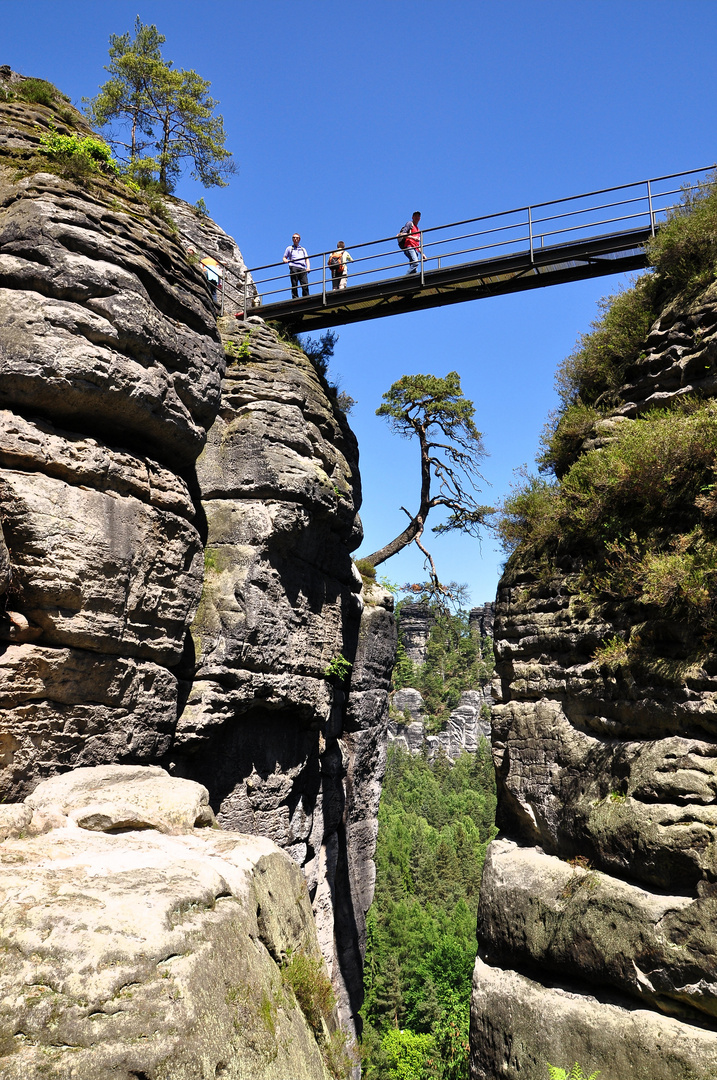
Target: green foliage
(434,410)
(162,116)
(338,668)
(576,1073)
(456,660)
(640,516)
(366,569)
(201,208)
(76,157)
(612,653)
(319,350)
(345,402)
(408,1056)
(435,822)
(340,1057)
(684,250)
(306,977)
(564,435)
(238,352)
(683,254)
(404,670)
(601,359)
(38,92)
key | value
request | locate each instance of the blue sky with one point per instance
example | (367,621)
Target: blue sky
(346,116)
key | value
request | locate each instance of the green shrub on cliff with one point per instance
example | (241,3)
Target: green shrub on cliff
(599,362)
(77,157)
(306,977)
(683,254)
(637,517)
(684,249)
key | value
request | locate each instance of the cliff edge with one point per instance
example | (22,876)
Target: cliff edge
(596,920)
(177,508)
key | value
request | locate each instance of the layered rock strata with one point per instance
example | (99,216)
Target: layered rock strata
(266,725)
(111,368)
(137,942)
(110,374)
(597,912)
(466,726)
(416,625)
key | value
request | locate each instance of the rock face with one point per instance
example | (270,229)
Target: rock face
(466,725)
(416,623)
(110,374)
(481,619)
(609,958)
(146,946)
(112,539)
(265,729)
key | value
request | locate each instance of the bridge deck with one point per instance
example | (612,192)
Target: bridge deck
(612,254)
(528,247)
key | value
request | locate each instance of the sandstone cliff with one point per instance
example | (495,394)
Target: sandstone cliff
(596,920)
(115,541)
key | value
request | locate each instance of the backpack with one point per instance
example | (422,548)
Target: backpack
(335,262)
(403,235)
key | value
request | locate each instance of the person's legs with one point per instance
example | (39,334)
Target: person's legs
(304,279)
(342,279)
(295,275)
(411,254)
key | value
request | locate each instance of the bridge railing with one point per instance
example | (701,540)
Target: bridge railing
(526,230)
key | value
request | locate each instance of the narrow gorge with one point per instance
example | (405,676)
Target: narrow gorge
(195,678)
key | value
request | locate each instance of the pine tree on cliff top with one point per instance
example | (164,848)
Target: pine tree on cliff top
(160,117)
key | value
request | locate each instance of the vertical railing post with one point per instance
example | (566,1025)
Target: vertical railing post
(223,286)
(246,282)
(420,251)
(649,203)
(530,232)
(323,279)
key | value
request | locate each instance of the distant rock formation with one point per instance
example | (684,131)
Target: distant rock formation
(468,722)
(138,942)
(416,623)
(481,619)
(466,725)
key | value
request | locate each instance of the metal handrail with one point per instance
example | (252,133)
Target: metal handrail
(644,204)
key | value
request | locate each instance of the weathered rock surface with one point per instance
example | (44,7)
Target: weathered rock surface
(466,725)
(111,368)
(263,727)
(519,1023)
(153,953)
(611,962)
(110,373)
(416,624)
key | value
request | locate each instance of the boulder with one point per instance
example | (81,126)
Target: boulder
(159,950)
(112,798)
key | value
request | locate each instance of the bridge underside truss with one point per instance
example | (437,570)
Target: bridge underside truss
(616,253)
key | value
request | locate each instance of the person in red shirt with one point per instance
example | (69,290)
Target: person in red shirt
(412,245)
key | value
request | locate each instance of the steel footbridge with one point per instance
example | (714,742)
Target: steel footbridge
(582,236)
